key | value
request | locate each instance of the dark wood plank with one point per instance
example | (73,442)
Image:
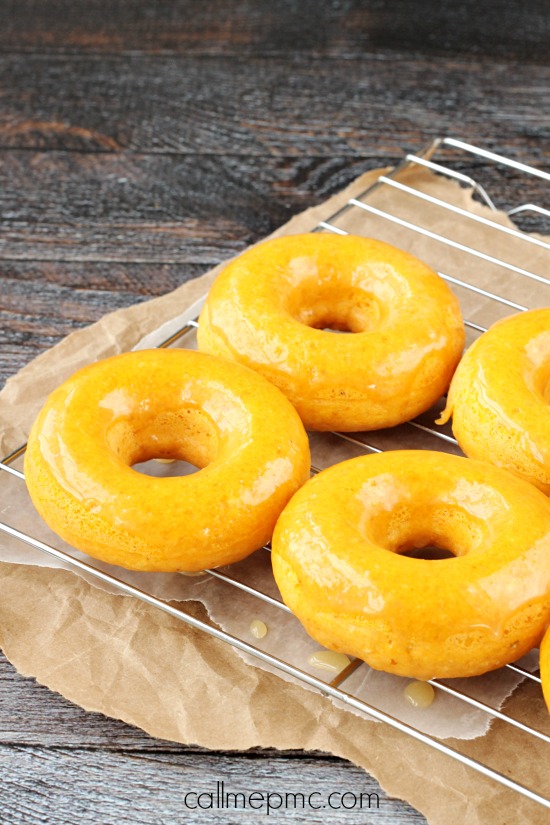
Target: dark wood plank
(509,30)
(178,201)
(88,282)
(41,302)
(74,786)
(157,208)
(258,106)
(72,189)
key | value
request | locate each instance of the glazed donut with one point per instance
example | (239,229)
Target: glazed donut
(500,394)
(165,404)
(338,560)
(545,668)
(269,309)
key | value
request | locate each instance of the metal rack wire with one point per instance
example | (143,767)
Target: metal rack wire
(363,204)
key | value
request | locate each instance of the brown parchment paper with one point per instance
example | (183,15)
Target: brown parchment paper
(129,661)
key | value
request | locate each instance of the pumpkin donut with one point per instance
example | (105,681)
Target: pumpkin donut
(270,309)
(545,668)
(500,394)
(338,560)
(165,404)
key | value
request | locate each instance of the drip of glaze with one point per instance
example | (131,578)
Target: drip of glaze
(419,694)
(164,460)
(258,628)
(329,660)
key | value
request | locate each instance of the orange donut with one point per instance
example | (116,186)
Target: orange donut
(499,397)
(337,559)
(170,404)
(545,668)
(269,309)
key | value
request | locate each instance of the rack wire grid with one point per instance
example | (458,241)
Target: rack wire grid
(463,154)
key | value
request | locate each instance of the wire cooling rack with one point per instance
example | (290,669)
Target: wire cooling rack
(445,157)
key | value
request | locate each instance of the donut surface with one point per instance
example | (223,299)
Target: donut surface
(500,394)
(545,668)
(161,403)
(337,559)
(270,309)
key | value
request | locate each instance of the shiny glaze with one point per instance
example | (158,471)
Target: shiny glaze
(500,394)
(258,629)
(419,694)
(165,404)
(269,309)
(328,660)
(545,668)
(336,558)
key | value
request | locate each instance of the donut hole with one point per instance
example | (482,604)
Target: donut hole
(431,533)
(430,552)
(165,467)
(334,309)
(186,435)
(430,548)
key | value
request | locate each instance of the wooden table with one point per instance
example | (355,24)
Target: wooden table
(143,142)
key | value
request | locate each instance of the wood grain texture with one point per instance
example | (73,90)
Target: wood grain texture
(341,28)
(123,188)
(269,106)
(205,205)
(41,302)
(73,786)
(155,208)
